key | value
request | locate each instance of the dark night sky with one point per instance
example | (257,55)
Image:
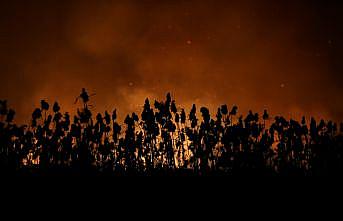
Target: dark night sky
(281,55)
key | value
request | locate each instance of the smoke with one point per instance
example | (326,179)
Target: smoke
(282,56)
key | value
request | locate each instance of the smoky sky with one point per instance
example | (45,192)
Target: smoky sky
(282,55)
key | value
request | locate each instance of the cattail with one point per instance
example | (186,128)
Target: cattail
(114,115)
(37,113)
(183,116)
(233,111)
(10,116)
(99,118)
(56,108)
(192,113)
(224,109)
(107,118)
(173,107)
(44,105)
(205,114)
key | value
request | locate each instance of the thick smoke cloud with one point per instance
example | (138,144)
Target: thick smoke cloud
(282,55)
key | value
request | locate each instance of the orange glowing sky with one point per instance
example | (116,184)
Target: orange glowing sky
(281,55)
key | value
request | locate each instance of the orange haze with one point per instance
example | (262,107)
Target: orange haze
(280,55)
